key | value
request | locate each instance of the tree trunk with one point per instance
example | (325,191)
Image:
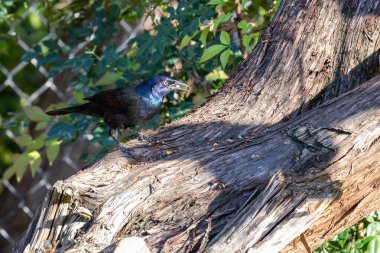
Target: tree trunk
(273,162)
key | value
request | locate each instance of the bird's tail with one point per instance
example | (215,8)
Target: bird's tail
(82,109)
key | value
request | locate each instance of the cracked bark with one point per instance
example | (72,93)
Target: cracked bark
(281,159)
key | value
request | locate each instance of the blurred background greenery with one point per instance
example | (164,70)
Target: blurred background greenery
(55,52)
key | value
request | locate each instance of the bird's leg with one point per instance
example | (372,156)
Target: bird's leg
(118,145)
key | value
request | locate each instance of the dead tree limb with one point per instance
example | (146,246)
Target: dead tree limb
(281,159)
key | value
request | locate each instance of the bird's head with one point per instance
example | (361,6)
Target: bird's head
(162,85)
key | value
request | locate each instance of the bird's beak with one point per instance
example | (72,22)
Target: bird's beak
(180,86)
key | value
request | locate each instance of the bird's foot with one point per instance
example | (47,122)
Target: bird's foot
(123,149)
(146,138)
(118,145)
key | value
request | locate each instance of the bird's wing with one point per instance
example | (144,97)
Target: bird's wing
(107,97)
(116,99)
(120,107)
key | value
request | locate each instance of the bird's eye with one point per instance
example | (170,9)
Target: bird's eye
(166,83)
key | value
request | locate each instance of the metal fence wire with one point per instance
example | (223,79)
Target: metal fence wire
(19,201)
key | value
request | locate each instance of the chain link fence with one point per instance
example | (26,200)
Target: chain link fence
(19,200)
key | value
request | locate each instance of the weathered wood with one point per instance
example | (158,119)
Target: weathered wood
(256,167)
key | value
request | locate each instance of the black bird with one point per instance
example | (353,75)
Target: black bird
(126,107)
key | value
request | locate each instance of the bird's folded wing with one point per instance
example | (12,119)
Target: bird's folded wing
(116,99)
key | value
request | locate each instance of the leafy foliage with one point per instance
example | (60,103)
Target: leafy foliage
(362,237)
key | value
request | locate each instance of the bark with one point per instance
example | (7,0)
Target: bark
(273,162)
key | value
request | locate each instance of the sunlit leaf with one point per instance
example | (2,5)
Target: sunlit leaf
(57,106)
(34,162)
(216,75)
(18,167)
(370,219)
(37,143)
(343,238)
(225,38)
(371,229)
(35,113)
(203,36)
(23,140)
(35,20)
(187,39)
(33,155)
(184,41)
(78,96)
(224,58)
(3,12)
(211,52)
(244,26)
(52,150)
(247,40)
(109,78)
(41,125)
(215,2)
(373,246)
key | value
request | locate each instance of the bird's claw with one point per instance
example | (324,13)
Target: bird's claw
(146,138)
(124,149)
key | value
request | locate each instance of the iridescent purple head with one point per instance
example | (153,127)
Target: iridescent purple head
(162,85)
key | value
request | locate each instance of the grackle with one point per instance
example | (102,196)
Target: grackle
(126,107)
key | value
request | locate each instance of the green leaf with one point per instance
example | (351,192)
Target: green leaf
(187,39)
(224,57)
(184,41)
(203,36)
(35,113)
(225,38)
(370,219)
(8,3)
(244,26)
(3,12)
(216,75)
(41,125)
(215,2)
(34,155)
(37,143)
(57,106)
(247,40)
(343,238)
(35,163)
(23,140)
(52,150)
(18,167)
(84,61)
(211,52)
(371,229)
(374,246)
(108,78)
(365,241)
(78,96)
